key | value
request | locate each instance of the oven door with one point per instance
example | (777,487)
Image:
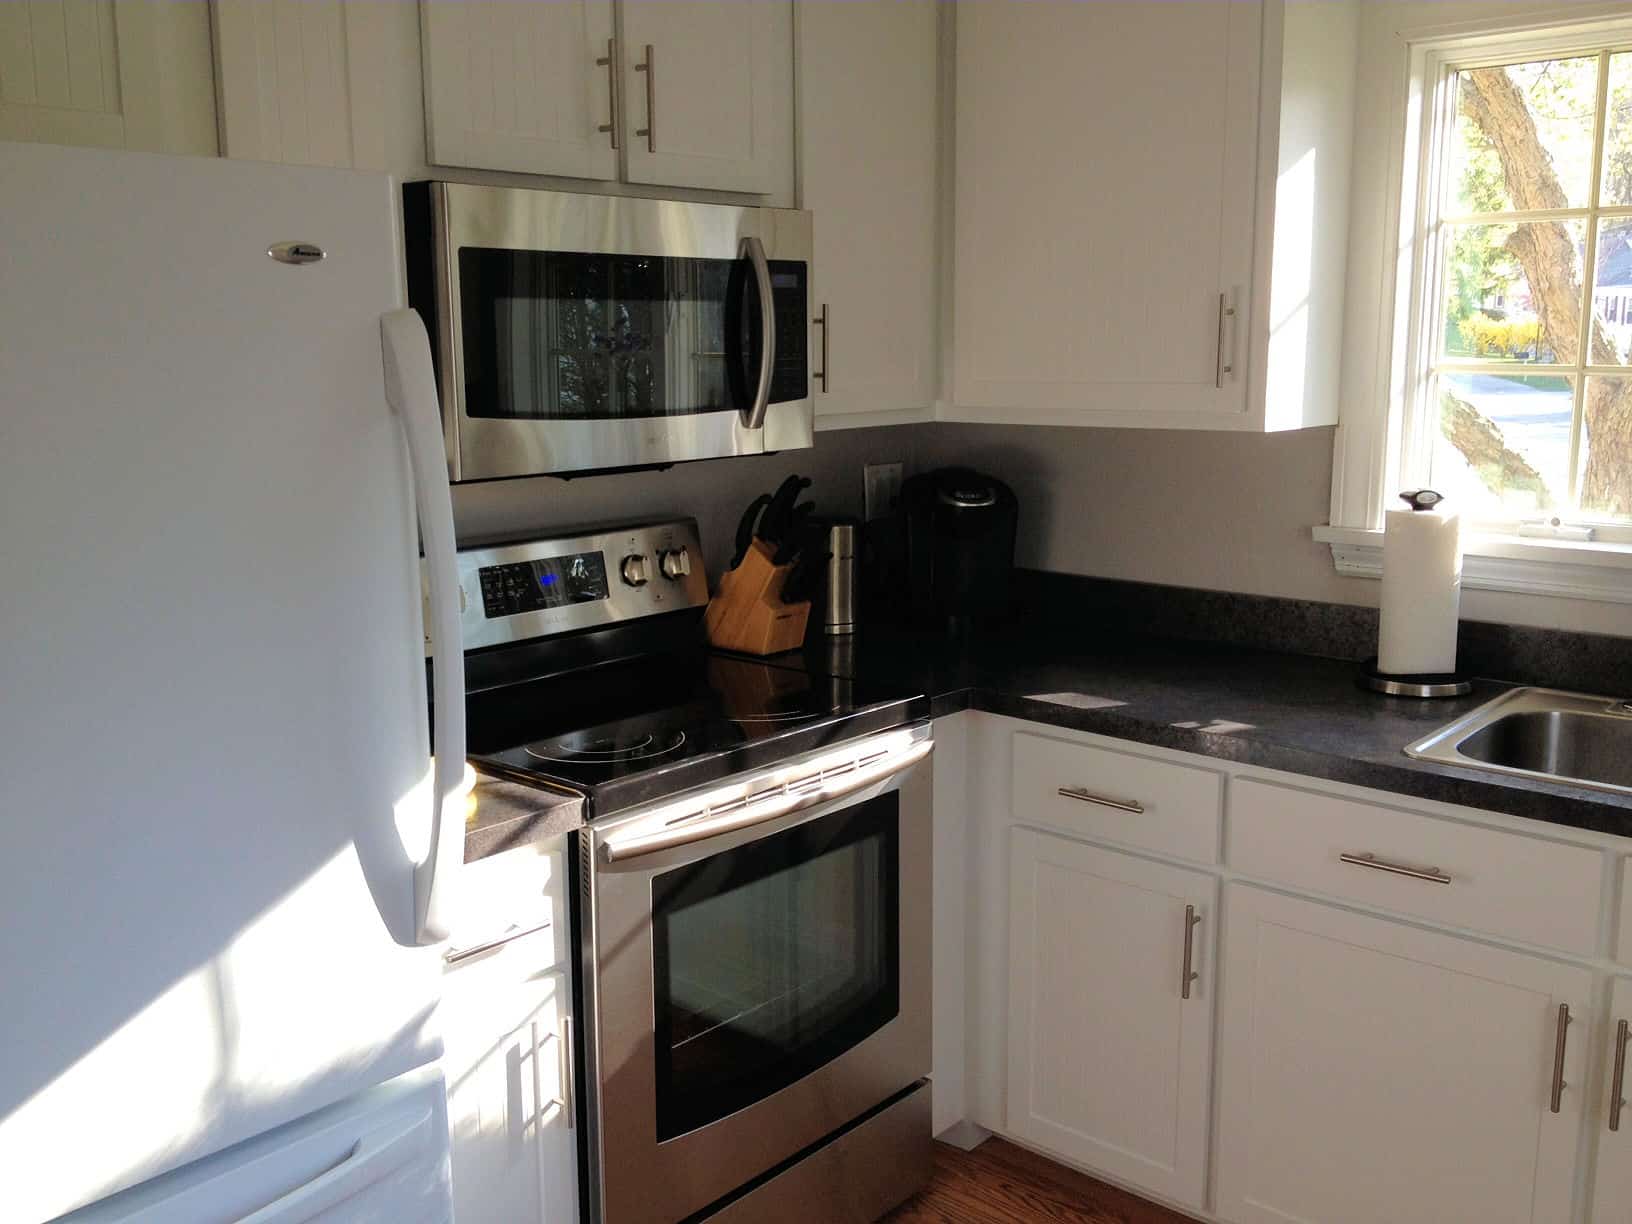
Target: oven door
(757,988)
(587,332)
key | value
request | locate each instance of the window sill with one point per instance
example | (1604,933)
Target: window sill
(1505,563)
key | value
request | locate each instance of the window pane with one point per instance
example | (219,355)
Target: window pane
(1491,310)
(1618,133)
(1523,136)
(1503,448)
(1612,294)
(1606,448)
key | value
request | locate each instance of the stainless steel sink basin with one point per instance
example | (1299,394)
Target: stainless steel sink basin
(1541,733)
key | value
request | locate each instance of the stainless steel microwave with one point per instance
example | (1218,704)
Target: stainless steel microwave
(578,333)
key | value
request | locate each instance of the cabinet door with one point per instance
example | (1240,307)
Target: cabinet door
(1106,163)
(709,92)
(1108,1060)
(1612,1197)
(116,74)
(869,90)
(513,86)
(1374,1071)
(502,1018)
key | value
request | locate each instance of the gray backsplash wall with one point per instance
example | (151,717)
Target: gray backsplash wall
(1221,511)
(714,491)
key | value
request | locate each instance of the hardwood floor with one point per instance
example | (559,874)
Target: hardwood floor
(999,1183)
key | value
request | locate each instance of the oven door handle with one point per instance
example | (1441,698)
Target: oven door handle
(707,824)
(753,250)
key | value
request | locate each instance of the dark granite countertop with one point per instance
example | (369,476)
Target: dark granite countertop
(1301,714)
(509,814)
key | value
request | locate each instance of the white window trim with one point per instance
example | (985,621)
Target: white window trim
(1370,450)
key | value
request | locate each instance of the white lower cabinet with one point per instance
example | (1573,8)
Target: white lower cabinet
(503,1017)
(1612,1195)
(1109,1041)
(1370,1071)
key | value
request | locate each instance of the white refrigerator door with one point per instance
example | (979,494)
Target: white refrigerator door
(380,1157)
(214,776)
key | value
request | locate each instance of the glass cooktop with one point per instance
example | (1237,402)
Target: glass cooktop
(643,729)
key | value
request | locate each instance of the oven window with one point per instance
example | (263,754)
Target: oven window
(557,335)
(773,959)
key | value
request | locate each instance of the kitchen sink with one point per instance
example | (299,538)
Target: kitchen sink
(1541,733)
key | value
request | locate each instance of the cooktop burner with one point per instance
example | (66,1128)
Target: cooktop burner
(594,748)
(641,729)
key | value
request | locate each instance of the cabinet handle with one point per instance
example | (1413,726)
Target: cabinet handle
(1083,796)
(1561,1043)
(563,1041)
(1191,920)
(1432,875)
(821,375)
(650,130)
(1617,1087)
(1221,367)
(610,62)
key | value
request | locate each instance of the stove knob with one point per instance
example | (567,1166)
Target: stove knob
(675,563)
(636,572)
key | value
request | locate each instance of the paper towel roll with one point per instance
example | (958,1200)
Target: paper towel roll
(1422,592)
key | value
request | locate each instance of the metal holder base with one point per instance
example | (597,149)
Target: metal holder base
(1428,684)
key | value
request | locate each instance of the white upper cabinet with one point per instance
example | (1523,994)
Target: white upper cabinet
(1373,1071)
(1116,191)
(869,137)
(708,93)
(523,87)
(117,74)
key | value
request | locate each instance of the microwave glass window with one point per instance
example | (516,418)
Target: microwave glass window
(772,959)
(566,336)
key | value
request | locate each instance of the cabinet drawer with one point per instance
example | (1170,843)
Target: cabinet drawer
(1118,797)
(1623,945)
(1504,883)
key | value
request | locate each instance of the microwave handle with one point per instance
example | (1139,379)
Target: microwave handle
(410,388)
(753,250)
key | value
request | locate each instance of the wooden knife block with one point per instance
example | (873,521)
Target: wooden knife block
(747,613)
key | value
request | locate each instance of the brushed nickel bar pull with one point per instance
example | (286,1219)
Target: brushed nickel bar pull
(1221,368)
(1560,1045)
(610,62)
(1617,1087)
(568,1087)
(458,956)
(650,130)
(821,375)
(1085,796)
(1191,919)
(1432,875)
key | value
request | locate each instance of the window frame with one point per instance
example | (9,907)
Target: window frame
(1385,436)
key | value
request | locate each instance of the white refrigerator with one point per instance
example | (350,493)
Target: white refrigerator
(223,866)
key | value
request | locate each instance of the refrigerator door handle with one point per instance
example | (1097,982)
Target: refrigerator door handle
(410,388)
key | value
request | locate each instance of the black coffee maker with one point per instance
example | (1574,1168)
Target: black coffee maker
(959,528)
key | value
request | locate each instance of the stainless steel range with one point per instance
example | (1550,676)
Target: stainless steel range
(754,903)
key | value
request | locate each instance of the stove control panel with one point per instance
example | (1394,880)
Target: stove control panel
(524,589)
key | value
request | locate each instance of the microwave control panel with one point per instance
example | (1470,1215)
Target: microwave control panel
(790,377)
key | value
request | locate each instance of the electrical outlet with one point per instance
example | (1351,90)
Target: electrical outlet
(881,488)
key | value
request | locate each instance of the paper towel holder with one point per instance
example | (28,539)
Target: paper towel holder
(1428,684)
